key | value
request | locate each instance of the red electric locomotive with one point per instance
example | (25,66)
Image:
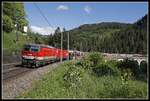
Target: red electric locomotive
(37,55)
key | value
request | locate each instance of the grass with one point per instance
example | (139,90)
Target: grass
(9,40)
(52,86)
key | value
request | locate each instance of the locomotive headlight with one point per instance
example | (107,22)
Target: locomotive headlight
(28,57)
(39,58)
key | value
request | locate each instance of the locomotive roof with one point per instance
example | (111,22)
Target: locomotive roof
(41,45)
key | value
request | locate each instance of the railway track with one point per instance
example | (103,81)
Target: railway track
(14,72)
(10,65)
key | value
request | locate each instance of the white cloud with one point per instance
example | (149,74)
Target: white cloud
(43,30)
(87,9)
(62,7)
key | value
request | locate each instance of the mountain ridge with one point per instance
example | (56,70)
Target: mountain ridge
(106,35)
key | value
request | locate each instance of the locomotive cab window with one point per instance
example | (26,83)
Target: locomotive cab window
(34,48)
(31,48)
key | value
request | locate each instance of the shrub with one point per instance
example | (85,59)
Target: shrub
(73,76)
(113,63)
(91,60)
(126,75)
(143,67)
(7,23)
(117,88)
(95,58)
(114,66)
(105,69)
(130,64)
(85,63)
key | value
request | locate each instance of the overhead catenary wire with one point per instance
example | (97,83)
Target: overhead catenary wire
(51,26)
(38,8)
(42,14)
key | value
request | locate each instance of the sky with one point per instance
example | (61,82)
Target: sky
(70,15)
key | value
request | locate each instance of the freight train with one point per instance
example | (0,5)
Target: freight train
(37,55)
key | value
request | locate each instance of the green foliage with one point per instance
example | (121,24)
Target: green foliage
(13,13)
(126,75)
(52,85)
(22,23)
(104,69)
(7,7)
(114,87)
(95,58)
(56,38)
(73,76)
(94,62)
(12,46)
(85,62)
(130,64)
(137,38)
(113,63)
(91,60)
(7,23)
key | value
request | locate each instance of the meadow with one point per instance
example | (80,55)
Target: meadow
(92,77)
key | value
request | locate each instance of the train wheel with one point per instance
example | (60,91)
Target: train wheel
(36,65)
(43,63)
(22,64)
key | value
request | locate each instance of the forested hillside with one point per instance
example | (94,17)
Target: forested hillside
(109,37)
(93,37)
(132,39)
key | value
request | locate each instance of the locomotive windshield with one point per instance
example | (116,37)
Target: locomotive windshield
(32,48)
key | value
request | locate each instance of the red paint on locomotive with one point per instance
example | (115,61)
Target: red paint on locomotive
(37,54)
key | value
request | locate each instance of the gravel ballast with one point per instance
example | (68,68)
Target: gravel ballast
(16,86)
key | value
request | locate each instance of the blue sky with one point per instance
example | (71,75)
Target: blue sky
(73,14)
